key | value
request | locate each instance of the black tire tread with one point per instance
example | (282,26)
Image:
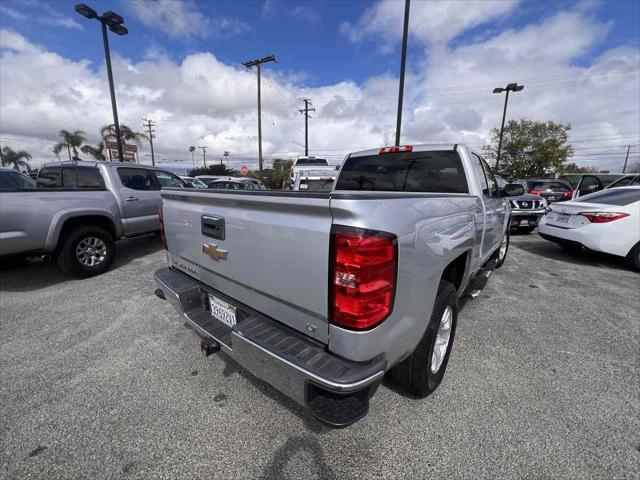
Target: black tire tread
(410,374)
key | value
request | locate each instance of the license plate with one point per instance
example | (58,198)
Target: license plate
(222,311)
(553,198)
(563,217)
(524,222)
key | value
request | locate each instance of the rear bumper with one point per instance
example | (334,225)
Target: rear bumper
(336,390)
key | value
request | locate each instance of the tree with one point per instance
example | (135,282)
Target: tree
(108,132)
(281,174)
(219,170)
(96,152)
(18,159)
(573,168)
(71,140)
(57,148)
(193,149)
(530,148)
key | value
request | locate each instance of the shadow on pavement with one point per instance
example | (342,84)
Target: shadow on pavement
(37,274)
(547,249)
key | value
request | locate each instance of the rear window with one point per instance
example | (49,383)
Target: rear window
(50,178)
(556,186)
(82,177)
(619,197)
(436,171)
(311,161)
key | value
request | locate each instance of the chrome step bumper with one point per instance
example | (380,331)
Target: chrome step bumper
(336,390)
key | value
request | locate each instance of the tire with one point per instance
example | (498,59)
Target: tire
(414,374)
(500,255)
(633,257)
(95,240)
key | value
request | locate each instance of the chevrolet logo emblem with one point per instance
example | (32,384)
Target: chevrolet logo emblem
(214,252)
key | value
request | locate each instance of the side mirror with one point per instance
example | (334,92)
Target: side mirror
(512,190)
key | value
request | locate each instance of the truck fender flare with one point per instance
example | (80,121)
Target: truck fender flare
(61,217)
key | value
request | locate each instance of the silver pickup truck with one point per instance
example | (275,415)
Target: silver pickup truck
(77,210)
(321,294)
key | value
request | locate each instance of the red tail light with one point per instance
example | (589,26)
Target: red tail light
(535,192)
(567,194)
(405,148)
(603,217)
(363,276)
(163,238)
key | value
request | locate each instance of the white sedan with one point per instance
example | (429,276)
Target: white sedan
(606,221)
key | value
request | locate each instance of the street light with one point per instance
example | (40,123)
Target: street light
(512,87)
(114,21)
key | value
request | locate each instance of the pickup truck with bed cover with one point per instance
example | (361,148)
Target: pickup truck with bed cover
(322,293)
(77,210)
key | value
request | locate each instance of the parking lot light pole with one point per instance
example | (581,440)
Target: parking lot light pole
(115,23)
(512,87)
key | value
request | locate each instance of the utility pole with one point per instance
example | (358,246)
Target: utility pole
(624,169)
(306,111)
(257,63)
(149,125)
(403,63)
(204,156)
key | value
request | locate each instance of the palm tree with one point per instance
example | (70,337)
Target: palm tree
(72,140)
(17,159)
(108,132)
(96,152)
(57,148)
(193,157)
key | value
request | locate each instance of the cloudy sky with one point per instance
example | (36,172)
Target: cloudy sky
(181,66)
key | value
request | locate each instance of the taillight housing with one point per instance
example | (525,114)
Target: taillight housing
(163,238)
(362,280)
(535,192)
(397,149)
(567,194)
(603,217)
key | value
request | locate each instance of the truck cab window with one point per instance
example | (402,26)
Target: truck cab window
(50,178)
(136,178)
(166,179)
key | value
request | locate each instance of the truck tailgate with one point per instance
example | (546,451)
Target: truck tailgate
(277,244)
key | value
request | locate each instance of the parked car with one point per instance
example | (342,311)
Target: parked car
(78,211)
(551,190)
(607,221)
(193,182)
(306,163)
(13,180)
(526,209)
(237,184)
(315,180)
(322,293)
(207,179)
(626,181)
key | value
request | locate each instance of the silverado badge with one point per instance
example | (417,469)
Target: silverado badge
(214,252)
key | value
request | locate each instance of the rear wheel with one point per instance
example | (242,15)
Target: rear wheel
(86,251)
(421,373)
(634,257)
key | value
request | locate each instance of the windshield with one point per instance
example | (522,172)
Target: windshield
(434,171)
(15,181)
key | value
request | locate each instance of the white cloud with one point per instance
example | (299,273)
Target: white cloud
(203,101)
(429,22)
(184,19)
(52,17)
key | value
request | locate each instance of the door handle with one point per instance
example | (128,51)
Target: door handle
(132,199)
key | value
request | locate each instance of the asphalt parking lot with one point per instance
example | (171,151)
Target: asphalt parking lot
(100,379)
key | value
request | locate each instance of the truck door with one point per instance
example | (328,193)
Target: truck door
(495,207)
(141,197)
